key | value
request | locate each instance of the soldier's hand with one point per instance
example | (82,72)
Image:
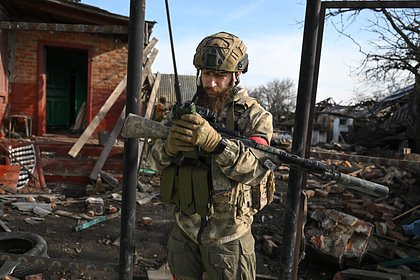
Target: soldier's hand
(194,129)
(173,145)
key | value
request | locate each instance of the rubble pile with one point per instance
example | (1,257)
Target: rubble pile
(356,234)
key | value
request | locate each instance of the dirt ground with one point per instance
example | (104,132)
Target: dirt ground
(93,252)
(99,244)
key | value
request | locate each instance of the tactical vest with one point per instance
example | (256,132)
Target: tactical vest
(193,189)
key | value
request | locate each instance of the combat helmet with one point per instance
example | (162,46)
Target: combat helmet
(221,52)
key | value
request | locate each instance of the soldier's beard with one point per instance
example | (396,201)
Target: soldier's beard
(213,101)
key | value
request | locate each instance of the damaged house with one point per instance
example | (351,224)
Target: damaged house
(61,63)
(388,122)
(60,57)
(332,122)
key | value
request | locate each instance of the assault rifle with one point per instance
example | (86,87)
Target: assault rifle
(139,127)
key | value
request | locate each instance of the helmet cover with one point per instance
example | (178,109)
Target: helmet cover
(221,52)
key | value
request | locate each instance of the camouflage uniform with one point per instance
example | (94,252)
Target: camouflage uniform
(233,173)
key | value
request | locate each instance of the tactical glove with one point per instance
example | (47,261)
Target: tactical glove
(174,145)
(194,129)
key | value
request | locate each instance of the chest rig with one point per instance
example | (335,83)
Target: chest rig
(193,184)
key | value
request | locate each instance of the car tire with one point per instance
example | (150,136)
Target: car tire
(25,243)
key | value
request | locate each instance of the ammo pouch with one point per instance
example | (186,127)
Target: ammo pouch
(263,193)
(187,187)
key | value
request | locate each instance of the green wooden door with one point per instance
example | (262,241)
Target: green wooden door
(66,86)
(58,92)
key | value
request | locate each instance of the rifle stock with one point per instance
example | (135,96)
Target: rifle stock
(136,126)
(139,127)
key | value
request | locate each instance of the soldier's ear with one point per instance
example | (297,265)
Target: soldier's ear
(236,77)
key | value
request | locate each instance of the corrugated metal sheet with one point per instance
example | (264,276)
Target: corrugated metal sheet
(398,119)
(188,86)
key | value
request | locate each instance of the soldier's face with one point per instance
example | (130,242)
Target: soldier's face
(214,90)
(215,84)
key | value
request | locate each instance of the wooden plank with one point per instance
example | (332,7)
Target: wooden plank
(120,122)
(9,176)
(110,101)
(98,118)
(149,48)
(151,58)
(147,71)
(152,97)
(149,111)
(118,126)
(108,146)
(148,66)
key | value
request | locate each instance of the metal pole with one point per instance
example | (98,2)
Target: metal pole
(306,76)
(131,145)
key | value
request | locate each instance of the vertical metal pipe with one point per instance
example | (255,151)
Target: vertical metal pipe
(131,159)
(306,77)
(316,75)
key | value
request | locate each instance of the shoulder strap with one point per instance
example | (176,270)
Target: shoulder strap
(237,108)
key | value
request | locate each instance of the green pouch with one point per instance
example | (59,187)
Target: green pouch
(167,183)
(186,190)
(201,191)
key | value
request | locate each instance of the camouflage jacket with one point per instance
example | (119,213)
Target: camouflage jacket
(233,173)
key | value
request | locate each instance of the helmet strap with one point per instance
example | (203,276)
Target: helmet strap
(236,79)
(198,78)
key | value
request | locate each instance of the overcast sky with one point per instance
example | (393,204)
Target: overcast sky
(271,29)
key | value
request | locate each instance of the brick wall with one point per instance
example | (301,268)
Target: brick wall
(108,67)
(4,85)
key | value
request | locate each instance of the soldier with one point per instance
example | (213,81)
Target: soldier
(215,182)
(162,108)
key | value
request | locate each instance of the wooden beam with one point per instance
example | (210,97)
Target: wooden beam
(149,111)
(108,146)
(108,103)
(147,71)
(111,100)
(98,118)
(61,27)
(152,97)
(117,129)
(149,48)
(148,65)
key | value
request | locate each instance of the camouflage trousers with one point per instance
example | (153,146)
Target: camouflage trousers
(233,260)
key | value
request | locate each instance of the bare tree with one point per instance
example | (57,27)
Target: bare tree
(395,56)
(278,97)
